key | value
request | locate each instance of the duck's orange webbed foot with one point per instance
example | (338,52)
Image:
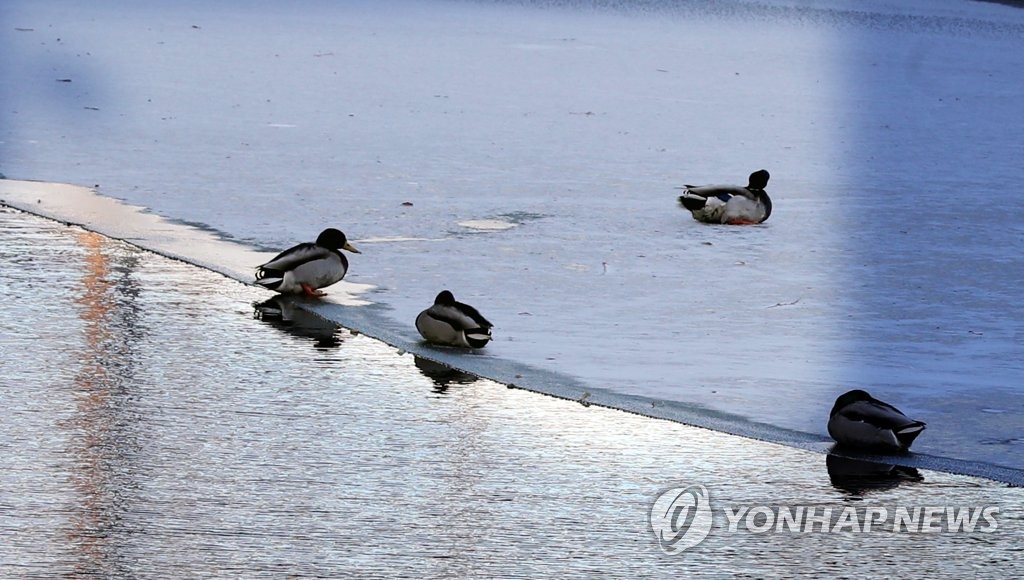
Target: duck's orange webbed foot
(311,293)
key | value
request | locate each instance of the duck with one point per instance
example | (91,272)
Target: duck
(730,204)
(861,421)
(307,267)
(451,323)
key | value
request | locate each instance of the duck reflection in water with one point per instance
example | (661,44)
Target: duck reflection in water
(282,312)
(443,375)
(859,476)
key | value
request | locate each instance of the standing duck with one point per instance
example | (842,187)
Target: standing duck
(307,267)
(729,204)
(453,323)
(859,420)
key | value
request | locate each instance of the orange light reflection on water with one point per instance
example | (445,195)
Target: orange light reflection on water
(92,423)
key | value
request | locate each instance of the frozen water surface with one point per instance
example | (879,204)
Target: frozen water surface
(152,428)
(892,261)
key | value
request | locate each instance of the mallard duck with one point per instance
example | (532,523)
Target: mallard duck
(861,421)
(729,204)
(307,267)
(453,323)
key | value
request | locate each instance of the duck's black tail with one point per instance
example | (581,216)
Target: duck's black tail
(692,202)
(269,278)
(906,434)
(478,337)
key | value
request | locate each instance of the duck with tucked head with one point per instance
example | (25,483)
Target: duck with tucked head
(307,267)
(729,204)
(861,421)
(452,323)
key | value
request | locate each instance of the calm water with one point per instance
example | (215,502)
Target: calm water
(152,427)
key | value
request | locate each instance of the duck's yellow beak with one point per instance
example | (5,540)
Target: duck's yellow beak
(350,248)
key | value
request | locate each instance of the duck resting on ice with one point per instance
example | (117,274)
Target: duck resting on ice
(729,204)
(861,421)
(453,323)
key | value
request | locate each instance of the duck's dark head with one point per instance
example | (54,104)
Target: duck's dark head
(758,179)
(334,239)
(445,298)
(849,398)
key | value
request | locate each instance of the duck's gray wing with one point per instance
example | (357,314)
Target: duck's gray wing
(473,314)
(879,414)
(296,256)
(457,317)
(717,190)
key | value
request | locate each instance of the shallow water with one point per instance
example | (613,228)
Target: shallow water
(888,265)
(152,427)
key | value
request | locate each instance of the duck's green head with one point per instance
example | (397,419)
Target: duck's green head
(759,179)
(334,239)
(849,398)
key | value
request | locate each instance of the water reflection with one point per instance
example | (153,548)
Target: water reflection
(283,312)
(102,449)
(184,456)
(857,476)
(443,375)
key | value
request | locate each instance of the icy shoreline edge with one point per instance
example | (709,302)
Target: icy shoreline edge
(86,208)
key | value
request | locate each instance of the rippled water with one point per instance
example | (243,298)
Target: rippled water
(152,427)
